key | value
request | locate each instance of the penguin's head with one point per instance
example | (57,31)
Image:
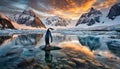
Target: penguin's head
(50,29)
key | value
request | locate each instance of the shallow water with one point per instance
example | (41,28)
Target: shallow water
(80,49)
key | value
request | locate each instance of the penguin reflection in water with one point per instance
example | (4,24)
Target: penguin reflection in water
(48,48)
(48,55)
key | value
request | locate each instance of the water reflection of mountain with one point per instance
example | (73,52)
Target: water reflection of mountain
(92,42)
(4,38)
(61,38)
(114,47)
(17,55)
(31,39)
(11,51)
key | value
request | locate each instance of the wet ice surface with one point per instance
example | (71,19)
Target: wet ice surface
(80,49)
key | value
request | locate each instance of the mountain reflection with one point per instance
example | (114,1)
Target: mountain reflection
(12,50)
(92,42)
(114,47)
(19,52)
(4,38)
(26,40)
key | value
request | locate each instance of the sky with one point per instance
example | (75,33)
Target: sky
(72,9)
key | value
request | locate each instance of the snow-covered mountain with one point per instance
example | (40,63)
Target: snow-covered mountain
(6,22)
(108,19)
(90,18)
(56,21)
(28,18)
(114,11)
(93,19)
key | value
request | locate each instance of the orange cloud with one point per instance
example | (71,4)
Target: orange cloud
(104,4)
(71,8)
(64,8)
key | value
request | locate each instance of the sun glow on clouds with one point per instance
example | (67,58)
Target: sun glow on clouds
(74,8)
(64,8)
(104,4)
(71,8)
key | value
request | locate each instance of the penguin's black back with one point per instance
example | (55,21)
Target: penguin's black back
(48,36)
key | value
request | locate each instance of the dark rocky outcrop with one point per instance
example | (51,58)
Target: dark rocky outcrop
(4,38)
(90,18)
(5,22)
(114,11)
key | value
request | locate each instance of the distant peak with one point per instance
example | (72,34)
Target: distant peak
(117,4)
(29,12)
(90,18)
(114,11)
(92,9)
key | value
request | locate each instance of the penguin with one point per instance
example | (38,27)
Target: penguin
(48,36)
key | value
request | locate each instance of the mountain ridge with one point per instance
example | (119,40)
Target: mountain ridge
(90,18)
(29,18)
(56,21)
(7,23)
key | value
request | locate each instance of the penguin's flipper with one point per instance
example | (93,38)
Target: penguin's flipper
(51,37)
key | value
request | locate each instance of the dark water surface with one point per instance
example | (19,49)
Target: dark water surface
(83,49)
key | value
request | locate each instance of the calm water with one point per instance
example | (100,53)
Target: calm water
(23,51)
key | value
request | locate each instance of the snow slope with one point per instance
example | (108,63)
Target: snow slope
(56,21)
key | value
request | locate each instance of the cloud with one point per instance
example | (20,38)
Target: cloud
(104,4)
(12,5)
(63,8)
(69,8)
